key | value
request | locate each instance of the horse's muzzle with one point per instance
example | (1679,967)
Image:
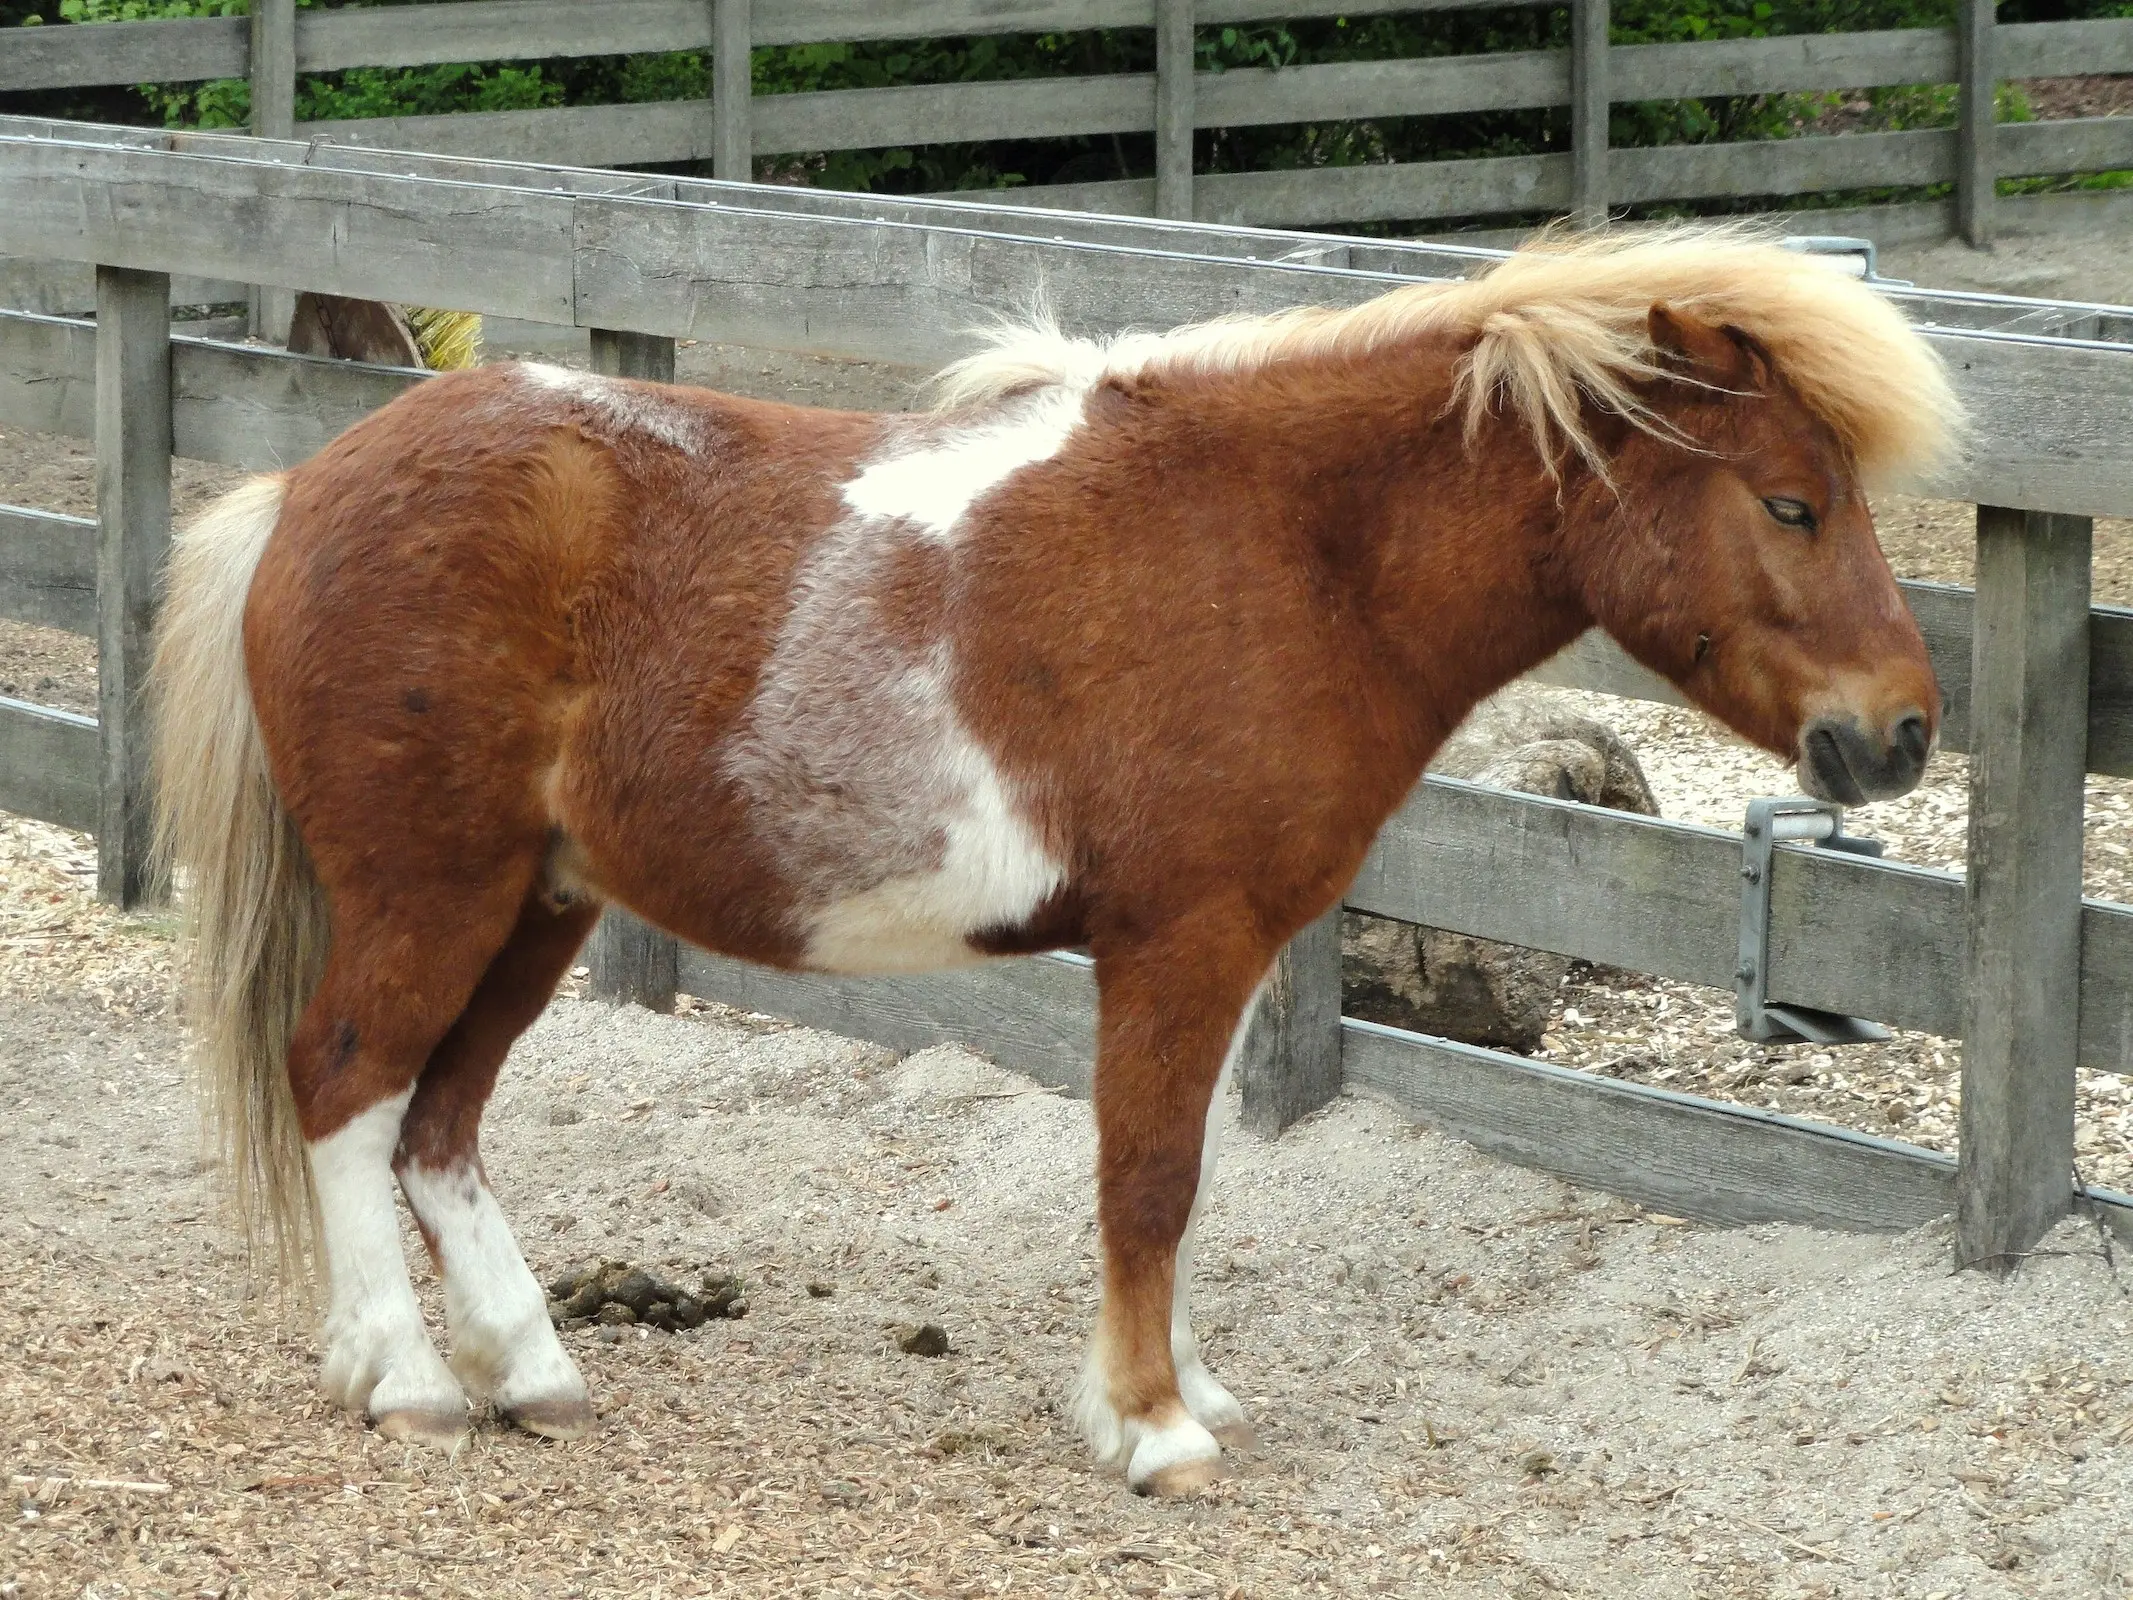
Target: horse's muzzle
(1845,760)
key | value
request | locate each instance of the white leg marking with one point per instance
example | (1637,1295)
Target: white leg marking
(1211,1405)
(1117,1440)
(378,1359)
(503,1344)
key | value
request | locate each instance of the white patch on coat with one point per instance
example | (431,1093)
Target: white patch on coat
(503,1344)
(378,1358)
(935,480)
(625,406)
(1210,1403)
(897,827)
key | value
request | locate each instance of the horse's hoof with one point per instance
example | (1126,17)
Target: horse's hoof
(1239,1436)
(553,1419)
(439,1430)
(1181,1479)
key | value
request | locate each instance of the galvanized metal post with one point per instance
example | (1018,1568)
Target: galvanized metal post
(133,538)
(273,74)
(1173,108)
(1589,104)
(630,960)
(1291,1061)
(1977,161)
(2028,749)
(732,83)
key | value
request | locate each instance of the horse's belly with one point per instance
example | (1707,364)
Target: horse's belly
(988,871)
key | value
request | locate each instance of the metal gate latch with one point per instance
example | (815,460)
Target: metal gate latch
(1771,822)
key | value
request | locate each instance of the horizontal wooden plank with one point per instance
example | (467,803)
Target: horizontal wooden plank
(1016,108)
(1417,86)
(48,569)
(237,404)
(1036,1015)
(2078,144)
(1399,191)
(462,246)
(1780,166)
(2065,49)
(85,55)
(48,765)
(1788,64)
(1689,1157)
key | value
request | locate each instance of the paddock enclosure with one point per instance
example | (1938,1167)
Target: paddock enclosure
(2039,684)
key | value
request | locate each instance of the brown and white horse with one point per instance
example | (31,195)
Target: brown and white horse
(1131,645)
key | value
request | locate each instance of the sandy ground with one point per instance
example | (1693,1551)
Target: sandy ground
(1467,1377)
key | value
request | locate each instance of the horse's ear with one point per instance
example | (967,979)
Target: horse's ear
(1728,357)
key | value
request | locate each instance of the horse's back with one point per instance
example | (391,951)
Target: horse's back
(512,576)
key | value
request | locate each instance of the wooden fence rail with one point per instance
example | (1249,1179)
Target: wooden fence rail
(734,126)
(646,267)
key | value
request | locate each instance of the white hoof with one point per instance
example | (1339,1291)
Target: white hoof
(1182,1458)
(1213,1407)
(394,1378)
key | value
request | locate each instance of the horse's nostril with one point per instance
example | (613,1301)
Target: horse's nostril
(1911,738)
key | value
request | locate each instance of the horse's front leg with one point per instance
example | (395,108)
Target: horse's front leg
(1172,1021)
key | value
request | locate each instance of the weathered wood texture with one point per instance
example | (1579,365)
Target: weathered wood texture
(273,71)
(733,140)
(2023,887)
(231,403)
(629,960)
(1977,158)
(49,763)
(1590,99)
(1290,1061)
(133,450)
(632,962)
(48,569)
(985,213)
(1036,1015)
(1686,1156)
(732,126)
(1174,110)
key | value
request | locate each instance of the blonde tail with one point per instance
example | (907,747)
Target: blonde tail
(255,912)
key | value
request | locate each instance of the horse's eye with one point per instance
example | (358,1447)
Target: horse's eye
(1792,513)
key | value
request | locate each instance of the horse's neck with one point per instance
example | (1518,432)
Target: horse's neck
(1458,551)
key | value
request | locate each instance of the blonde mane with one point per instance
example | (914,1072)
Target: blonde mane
(1562,320)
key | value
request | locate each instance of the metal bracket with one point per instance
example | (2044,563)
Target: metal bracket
(1838,244)
(1771,822)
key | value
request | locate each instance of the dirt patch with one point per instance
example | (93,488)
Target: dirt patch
(1466,1376)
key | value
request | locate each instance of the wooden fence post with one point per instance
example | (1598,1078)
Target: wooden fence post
(1291,1061)
(1977,160)
(1173,108)
(732,83)
(2028,743)
(132,540)
(273,73)
(1588,112)
(630,960)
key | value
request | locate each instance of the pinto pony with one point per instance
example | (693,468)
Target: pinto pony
(1131,645)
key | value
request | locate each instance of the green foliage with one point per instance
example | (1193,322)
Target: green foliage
(682,75)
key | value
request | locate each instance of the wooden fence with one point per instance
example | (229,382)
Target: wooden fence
(730,129)
(2036,980)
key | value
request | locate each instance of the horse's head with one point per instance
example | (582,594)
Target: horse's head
(1735,554)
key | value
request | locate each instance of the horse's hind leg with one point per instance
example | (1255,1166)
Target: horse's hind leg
(391,990)
(503,1345)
